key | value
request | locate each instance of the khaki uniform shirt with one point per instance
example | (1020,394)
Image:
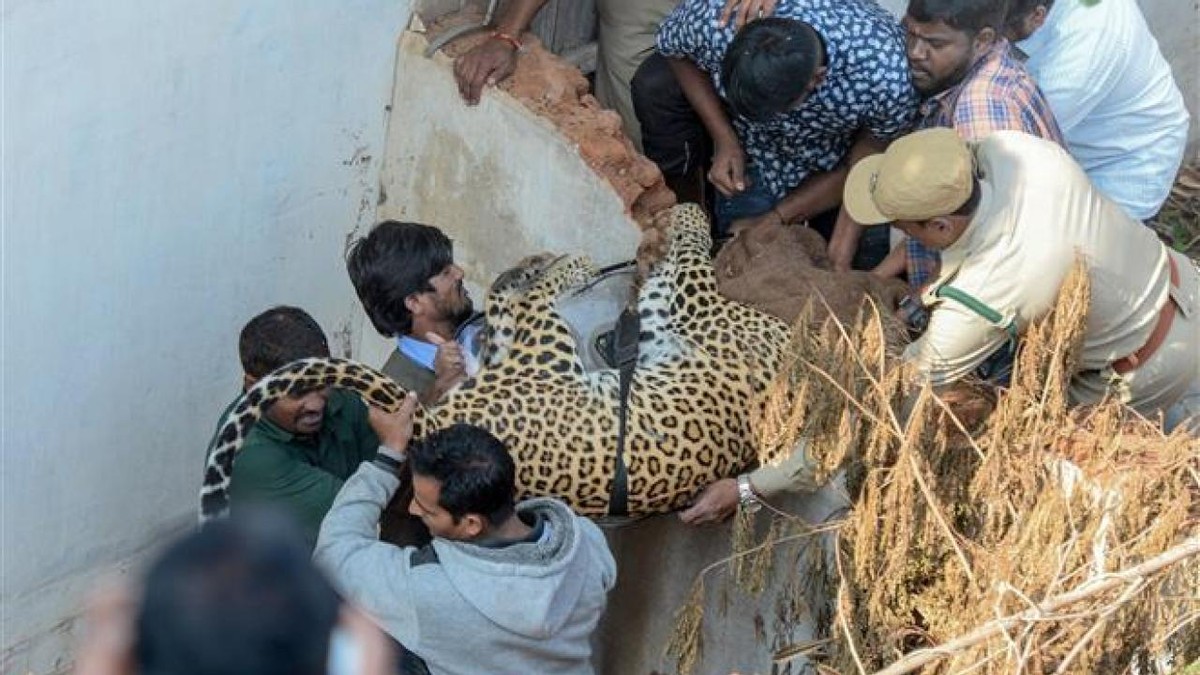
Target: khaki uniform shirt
(1038,212)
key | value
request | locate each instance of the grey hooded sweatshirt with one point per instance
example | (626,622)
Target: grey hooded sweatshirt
(526,607)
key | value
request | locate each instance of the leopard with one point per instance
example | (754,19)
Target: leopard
(696,388)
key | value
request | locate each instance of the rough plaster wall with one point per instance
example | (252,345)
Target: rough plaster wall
(502,182)
(170,169)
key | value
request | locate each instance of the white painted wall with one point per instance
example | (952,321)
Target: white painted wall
(170,169)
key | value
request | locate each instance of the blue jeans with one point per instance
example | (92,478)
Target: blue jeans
(755,200)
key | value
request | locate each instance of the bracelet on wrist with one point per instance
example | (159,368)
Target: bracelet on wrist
(512,40)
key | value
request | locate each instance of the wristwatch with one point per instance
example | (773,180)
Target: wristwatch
(390,460)
(746,496)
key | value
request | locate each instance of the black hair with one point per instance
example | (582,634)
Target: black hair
(277,337)
(968,207)
(1019,9)
(969,16)
(476,473)
(239,596)
(769,65)
(395,260)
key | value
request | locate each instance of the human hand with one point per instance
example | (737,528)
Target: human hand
(449,365)
(844,242)
(394,429)
(364,646)
(716,502)
(107,646)
(745,11)
(489,62)
(728,172)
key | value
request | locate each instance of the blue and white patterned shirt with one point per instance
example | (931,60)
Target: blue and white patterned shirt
(866,86)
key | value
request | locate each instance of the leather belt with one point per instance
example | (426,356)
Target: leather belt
(1166,317)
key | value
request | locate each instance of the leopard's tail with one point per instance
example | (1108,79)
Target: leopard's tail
(294,378)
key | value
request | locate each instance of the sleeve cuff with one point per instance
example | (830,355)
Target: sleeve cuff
(389,460)
(794,474)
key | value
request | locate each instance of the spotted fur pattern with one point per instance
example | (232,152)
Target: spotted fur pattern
(703,362)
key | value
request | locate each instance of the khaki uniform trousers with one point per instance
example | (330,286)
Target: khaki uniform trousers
(1169,381)
(627,31)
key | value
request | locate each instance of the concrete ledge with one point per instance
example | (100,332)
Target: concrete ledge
(659,558)
(500,180)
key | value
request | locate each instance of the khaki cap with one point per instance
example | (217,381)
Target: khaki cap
(924,175)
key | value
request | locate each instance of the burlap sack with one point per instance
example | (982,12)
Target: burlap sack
(780,268)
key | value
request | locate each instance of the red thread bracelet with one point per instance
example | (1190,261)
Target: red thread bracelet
(505,37)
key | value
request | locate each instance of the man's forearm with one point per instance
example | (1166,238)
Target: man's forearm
(822,191)
(818,193)
(698,88)
(356,510)
(894,264)
(518,16)
(846,232)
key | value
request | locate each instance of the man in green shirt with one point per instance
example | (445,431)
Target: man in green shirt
(306,445)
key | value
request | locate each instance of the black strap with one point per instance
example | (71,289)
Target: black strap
(625,353)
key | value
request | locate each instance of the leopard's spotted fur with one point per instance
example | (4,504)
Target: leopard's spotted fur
(703,360)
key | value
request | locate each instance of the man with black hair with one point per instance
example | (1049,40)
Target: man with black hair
(306,444)
(970,79)
(502,588)
(410,288)
(786,102)
(624,37)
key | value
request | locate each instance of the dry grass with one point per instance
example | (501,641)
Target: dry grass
(1021,546)
(1179,219)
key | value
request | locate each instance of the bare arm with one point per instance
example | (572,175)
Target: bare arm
(744,11)
(817,194)
(493,60)
(847,232)
(729,161)
(894,264)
